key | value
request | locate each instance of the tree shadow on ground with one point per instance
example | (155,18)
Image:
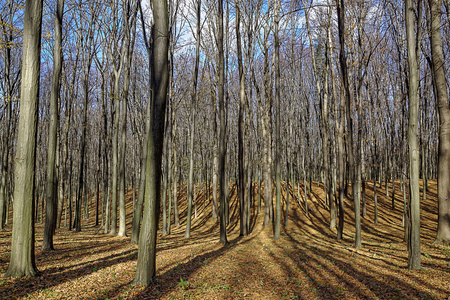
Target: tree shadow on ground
(170,279)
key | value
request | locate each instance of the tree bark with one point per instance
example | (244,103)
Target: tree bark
(146,262)
(192,123)
(222,127)
(241,129)
(277,228)
(414,202)
(443,231)
(130,32)
(22,262)
(137,215)
(346,91)
(52,184)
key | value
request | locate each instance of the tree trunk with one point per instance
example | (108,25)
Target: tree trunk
(277,228)
(241,129)
(192,124)
(146,262)
(414,203)
(4,197)
(346,91)
(52,184)
(22,262)
(130,33)
(324,119)
(222,127)
(137,216)
(443,231)
(78,202)
(176,216)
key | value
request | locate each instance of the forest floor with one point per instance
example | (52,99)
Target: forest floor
(307,262)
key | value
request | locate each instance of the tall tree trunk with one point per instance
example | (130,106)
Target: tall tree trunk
(339,109)
(166,168)
(222,127)
(192,123)
(414,202)
(78,204)
(277,228)
(241,129)
(115,153)
(52,184)
(130,33)
(146,261)
(443,231)
(325,146)
(137,215)
(106,142)
(117,61)
(4,197)
(89,40)
(176,215)
(22,262)
(346,91)
(190,187)
(267,143)
(66,170)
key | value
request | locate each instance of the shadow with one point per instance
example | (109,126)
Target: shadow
(170,279)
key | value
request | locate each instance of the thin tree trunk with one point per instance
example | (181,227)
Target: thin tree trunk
(277,228)
(222,126)
(52,184)
(4,197)
(192,124)
(241,129)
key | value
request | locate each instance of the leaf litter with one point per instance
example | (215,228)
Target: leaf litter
(307,262)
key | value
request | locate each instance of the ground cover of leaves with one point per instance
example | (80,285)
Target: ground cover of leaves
(307,262)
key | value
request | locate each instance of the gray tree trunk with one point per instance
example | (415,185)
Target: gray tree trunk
(146,261)
(137,215)
(443,231)
(52,184)
(241,129)
(130,33)
(277,229)
(22,261)
(413,103)
(192,123)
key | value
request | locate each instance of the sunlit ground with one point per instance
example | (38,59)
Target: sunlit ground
(306,263)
